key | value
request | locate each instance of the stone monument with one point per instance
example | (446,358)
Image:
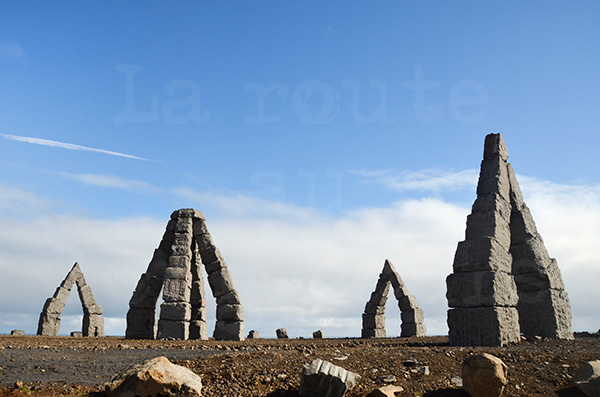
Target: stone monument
(93,322)
(373,319)
(504,282)
(176,269)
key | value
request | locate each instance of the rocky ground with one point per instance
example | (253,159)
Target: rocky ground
(46,366)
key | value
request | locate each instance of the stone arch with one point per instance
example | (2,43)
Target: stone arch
(50,317)
(373,319)
(176,270)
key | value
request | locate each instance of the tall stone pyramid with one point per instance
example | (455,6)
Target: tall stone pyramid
(373,319)
(50,317)
(504,282)
(176,269)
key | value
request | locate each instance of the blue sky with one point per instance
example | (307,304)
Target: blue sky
(296,127)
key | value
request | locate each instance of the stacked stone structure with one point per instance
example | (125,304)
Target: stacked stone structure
(504,282)
(93,322)
(373,319)
(176,269)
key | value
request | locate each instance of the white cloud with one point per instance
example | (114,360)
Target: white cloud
(11,49)
(68,146)
(294,267)
(111,181)
(431,179)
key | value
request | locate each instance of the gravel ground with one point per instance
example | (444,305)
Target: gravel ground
(45,366)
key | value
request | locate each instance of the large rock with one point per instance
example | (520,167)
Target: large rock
(281,333)
(156,377)
(323,379)
(484,375)
(587,378)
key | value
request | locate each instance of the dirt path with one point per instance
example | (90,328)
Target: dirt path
(269,367)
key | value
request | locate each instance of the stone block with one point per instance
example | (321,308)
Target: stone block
(209,256)
(177,290)
(200,227)
(412,316)
(323,379)
(93,325)
(141,323)
(493,179)
(548,277)
(281,333)
(370,321)
(225,330)
(178,273)
(407,302)
(179,330)
(483,326)
(215,266)
(529,256)
(158,264)
(545,313)
(181,250)
(179,261)
(401,292)
(94,309)
(54,306)
(86,296)
(412,329)
(184,226)
(198,330)
(318,334)
(220,282)
(490,217)
(230,298)
(253,334)
(198,313)
(49,324)
(230,313)
(482,253)
(175,311)
(147,291)
(372,333)
(494,146)
(76,334)
(197,295)
(396,281)
(522,226)
(204,241)
(17,332)
(374,308)
(475,289)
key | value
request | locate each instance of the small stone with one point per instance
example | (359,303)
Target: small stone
(281,333)
(386,391)
(484,375)
(18,384)
(76,334)
(390,379)
(456,381)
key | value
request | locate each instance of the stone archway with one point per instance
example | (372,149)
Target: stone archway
(373,319)
(176,270)
(93,322)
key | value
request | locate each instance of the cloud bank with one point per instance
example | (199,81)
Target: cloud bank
(294,267)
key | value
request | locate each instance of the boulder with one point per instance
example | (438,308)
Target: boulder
(587,378)
(323,379)
(253,334)
(17,332)
(484,375)
(155,377)
(318,334)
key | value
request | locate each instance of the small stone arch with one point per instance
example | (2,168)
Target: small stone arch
(373,319)
(93,321)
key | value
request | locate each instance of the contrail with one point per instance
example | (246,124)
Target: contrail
(69,146)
